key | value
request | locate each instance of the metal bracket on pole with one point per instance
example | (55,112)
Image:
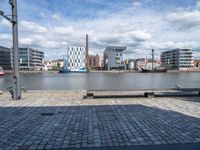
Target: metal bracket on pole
(11,3)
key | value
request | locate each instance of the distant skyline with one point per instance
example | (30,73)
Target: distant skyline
(53,25)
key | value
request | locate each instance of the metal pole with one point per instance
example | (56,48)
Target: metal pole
(16,77)
(152,58)
(87,49)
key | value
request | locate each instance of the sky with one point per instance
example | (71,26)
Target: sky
(141,25)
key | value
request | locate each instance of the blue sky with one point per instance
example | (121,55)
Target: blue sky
(52,25)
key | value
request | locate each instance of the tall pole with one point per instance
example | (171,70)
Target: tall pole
(16,77)
(87,49)
(152,58)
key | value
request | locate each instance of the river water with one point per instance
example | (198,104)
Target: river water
(104,81)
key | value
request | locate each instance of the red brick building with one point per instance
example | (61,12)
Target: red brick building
(93,61)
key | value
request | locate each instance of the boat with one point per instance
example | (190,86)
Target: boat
(153,70)
(64,71)
(157,70)
(1,72)
(80,70)
(67,69)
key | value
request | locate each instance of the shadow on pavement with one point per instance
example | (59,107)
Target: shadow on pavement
(99,127)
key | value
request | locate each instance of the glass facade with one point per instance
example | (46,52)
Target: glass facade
(30,59)
(5,58)
(177,59)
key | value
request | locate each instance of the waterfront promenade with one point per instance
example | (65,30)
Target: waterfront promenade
(63,119)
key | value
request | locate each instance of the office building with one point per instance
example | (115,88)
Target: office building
(113,58)
(76,58)
(30,59)
(5,58)
(177,59)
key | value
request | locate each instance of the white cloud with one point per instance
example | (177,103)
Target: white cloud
(185,19)
(56,17)
(5,23)
(26,41)
(32,27)
(135,27)
(63,30)
(198,4)
(5,36)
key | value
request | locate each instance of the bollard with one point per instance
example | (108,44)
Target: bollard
(149,94)
(90,95)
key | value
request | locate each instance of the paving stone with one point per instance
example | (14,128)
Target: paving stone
(60,119)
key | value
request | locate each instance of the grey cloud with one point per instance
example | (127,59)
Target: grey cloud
(185,20)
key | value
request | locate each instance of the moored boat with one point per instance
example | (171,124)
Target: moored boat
(81,70)
(1,72)
(154,70)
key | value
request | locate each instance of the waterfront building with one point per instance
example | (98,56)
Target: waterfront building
(146,63)
(5,58)
(140,63)
(196,63)
(113,57)
(76,58)
(47,65)
(177,59)
(57,64)
(131,64)
(30,59)
(93,61)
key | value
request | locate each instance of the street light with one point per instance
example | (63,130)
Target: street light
(16,78)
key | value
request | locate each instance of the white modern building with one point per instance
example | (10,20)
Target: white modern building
(177,59)
(30,59)
(76,59)
(113,57)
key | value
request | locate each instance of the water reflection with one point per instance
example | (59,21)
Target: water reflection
(106,81)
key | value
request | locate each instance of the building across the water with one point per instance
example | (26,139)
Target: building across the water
(146,63)
(196,63)
(113,57)
(5,58)
(177,59)
(93,61)
(47,65)
(131,64)
(76,59)
(30,59)
(57,64)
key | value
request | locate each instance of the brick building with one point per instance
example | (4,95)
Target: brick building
(93,61)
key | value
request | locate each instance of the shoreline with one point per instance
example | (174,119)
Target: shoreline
(102,71)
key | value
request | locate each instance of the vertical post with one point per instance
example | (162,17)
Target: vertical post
(87,49)
(16,77)
(152,58)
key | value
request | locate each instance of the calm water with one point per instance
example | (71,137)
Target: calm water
(108,81)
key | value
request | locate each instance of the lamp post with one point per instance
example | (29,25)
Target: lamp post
(16,77)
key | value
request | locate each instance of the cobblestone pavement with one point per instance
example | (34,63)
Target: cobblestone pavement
(60,119)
